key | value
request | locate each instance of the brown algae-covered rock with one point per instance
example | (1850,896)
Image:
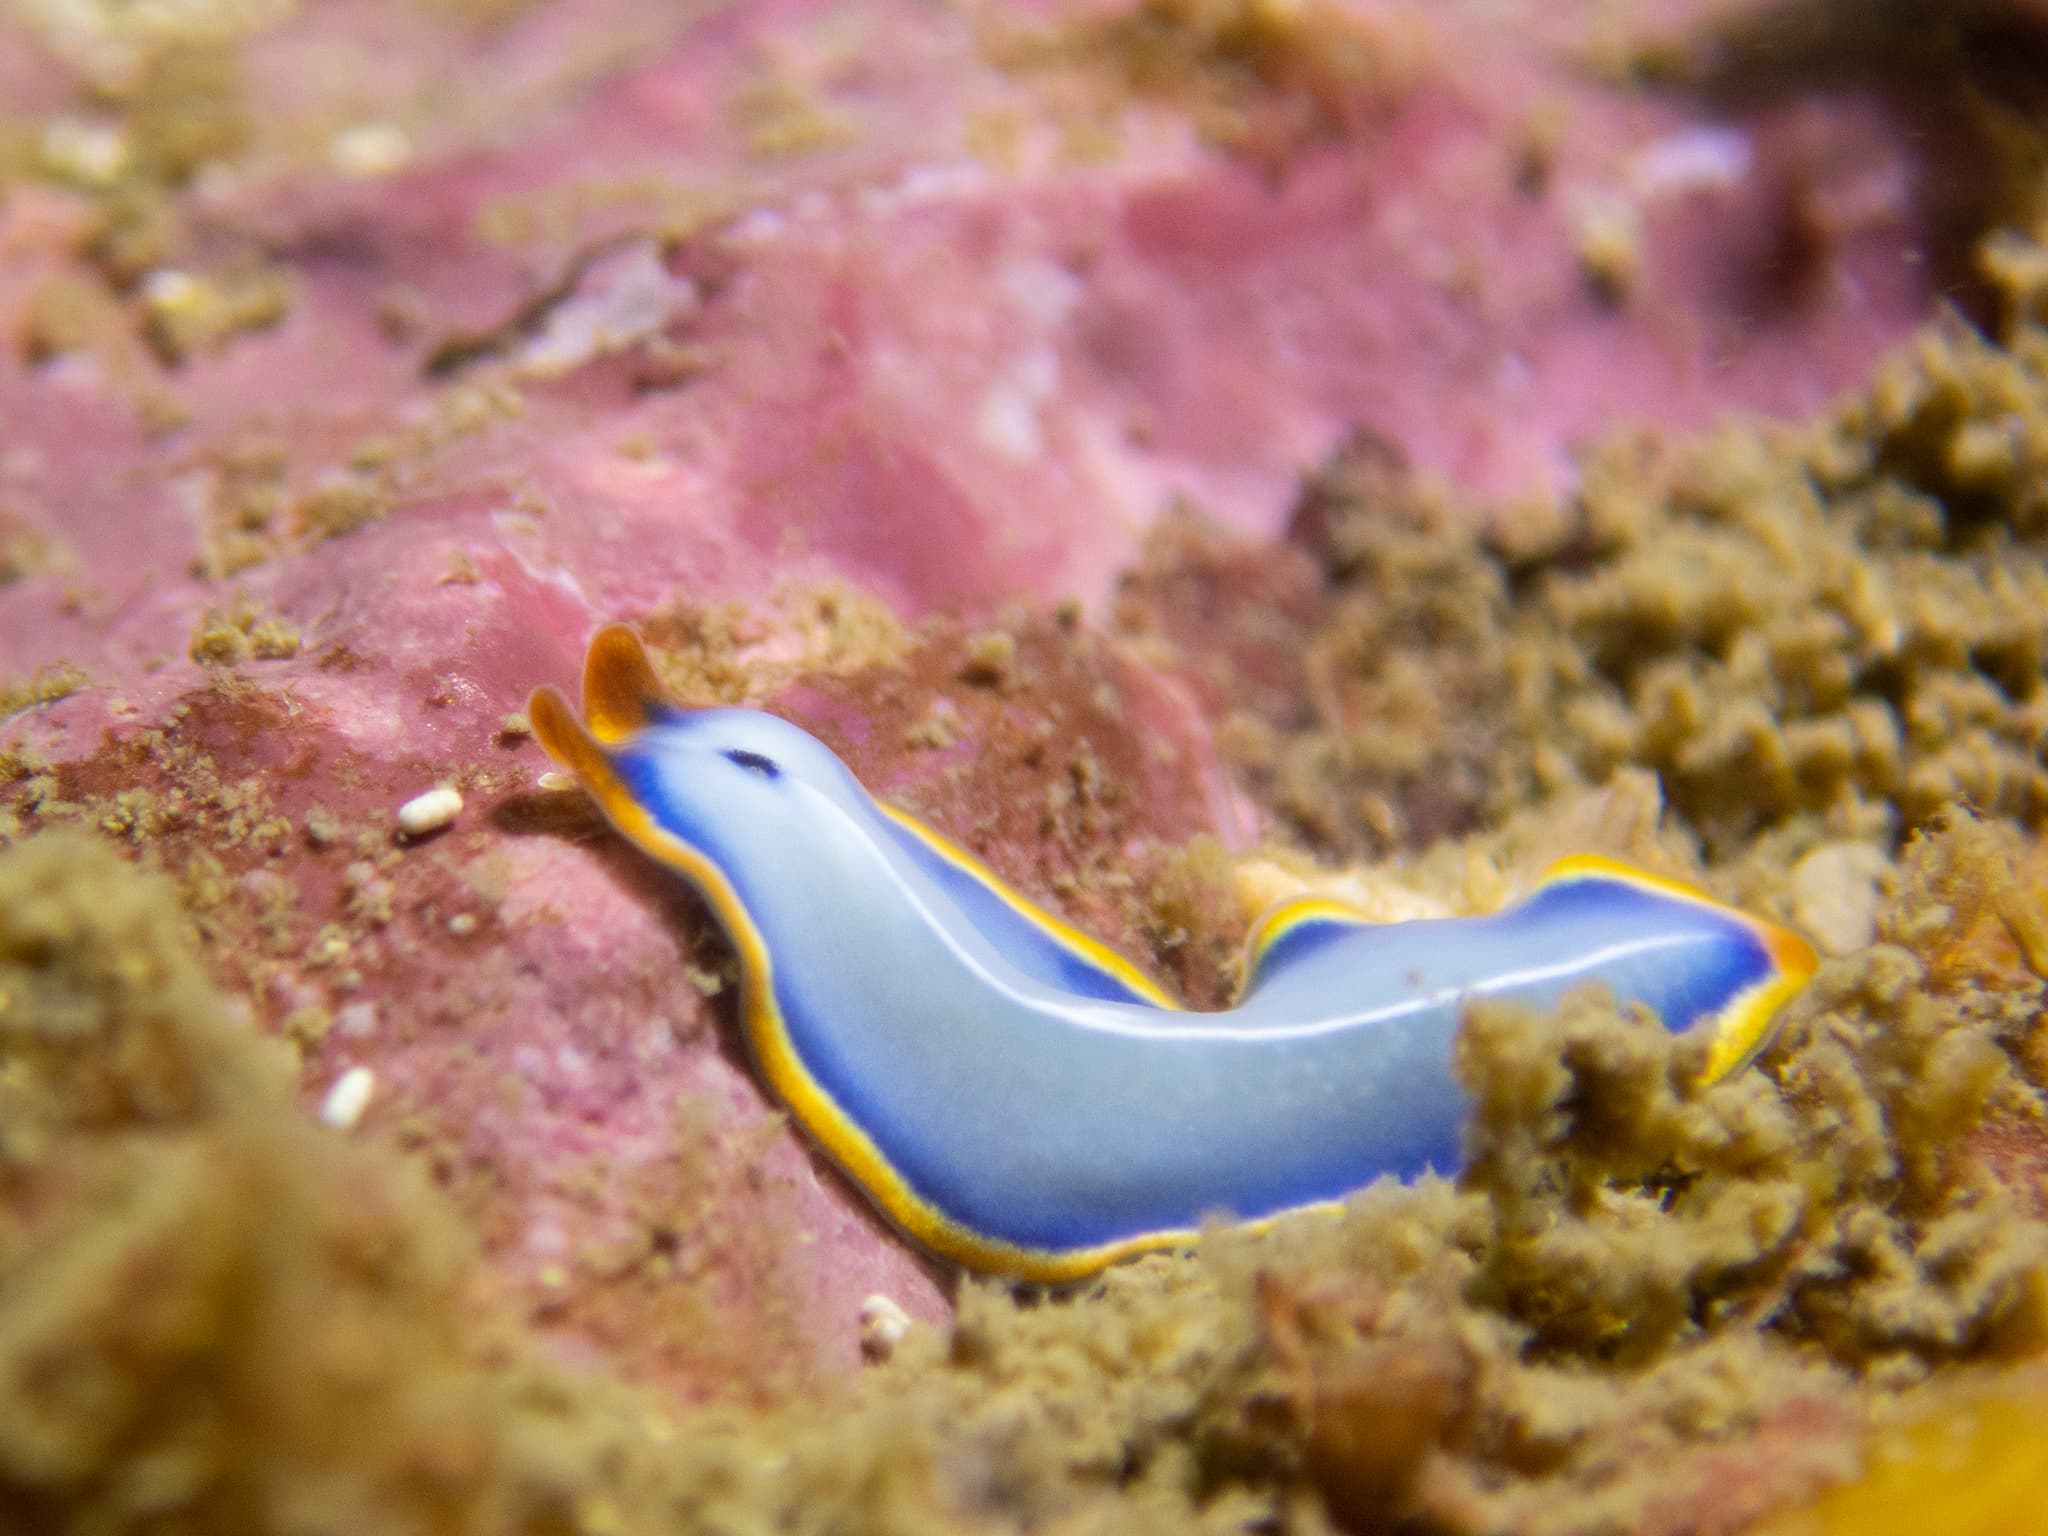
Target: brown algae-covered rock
(1641,1287)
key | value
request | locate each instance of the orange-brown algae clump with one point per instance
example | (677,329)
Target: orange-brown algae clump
(1815,637)
(205,1298)
(217,1316)
(1254,77)
(227,637)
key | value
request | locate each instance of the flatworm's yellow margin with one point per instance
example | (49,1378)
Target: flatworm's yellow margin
(1283,917)
(1065,934)
(1745,1023)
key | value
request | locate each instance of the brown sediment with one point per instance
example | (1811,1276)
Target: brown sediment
(1253,77)
(49,684)
(1811,636)
(719,653)
(1641,1288)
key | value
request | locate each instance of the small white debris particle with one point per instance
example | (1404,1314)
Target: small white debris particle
(367,151)
(882,1326)
(1695,160)
(429,812)
(619,302)
(348,1098)
(462,924)
(554,782)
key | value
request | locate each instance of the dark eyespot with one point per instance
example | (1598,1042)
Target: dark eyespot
(754,762)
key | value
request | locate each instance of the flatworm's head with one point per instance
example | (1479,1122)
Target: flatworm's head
(621,693)
(668,776)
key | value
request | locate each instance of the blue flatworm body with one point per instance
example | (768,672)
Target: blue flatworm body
(1021,1099)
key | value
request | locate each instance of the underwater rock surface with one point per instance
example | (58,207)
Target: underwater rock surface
(945,378)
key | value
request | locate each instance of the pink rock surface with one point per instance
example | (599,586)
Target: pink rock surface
(577,346)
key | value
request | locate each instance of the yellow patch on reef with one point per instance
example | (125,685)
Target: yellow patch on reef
(1971,1467)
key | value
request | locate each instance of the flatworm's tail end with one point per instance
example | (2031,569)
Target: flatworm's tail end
(1749,1020)
(1789,951)
(621,692)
